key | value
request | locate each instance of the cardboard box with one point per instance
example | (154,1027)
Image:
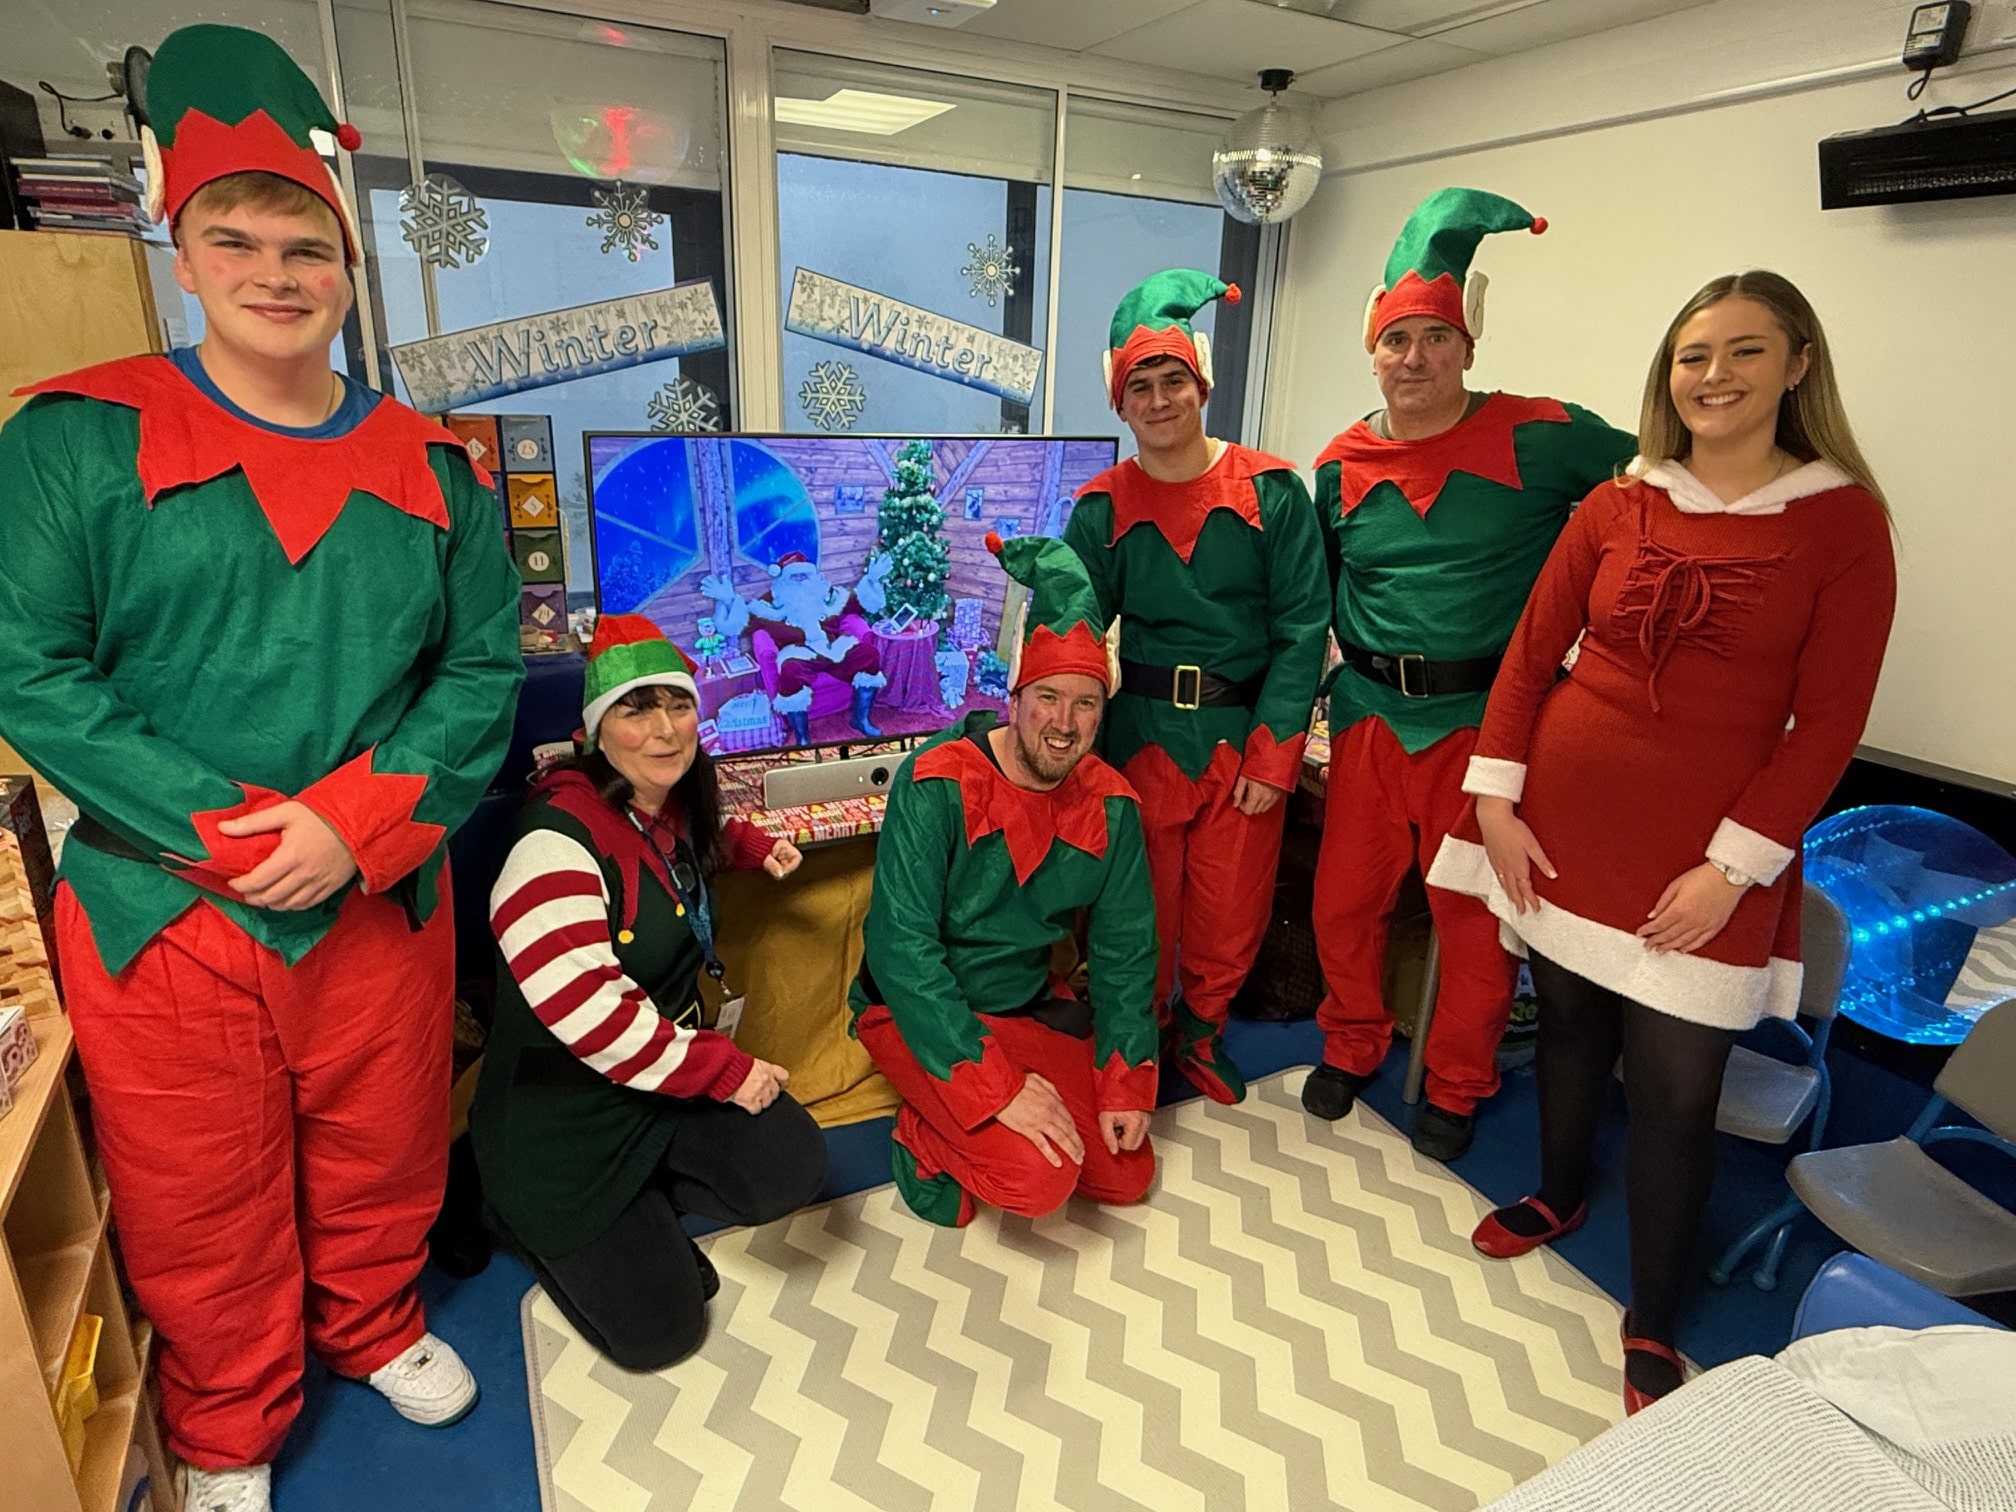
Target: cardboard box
(479,436)
(544,608)
(535,501)
(528,443)
(540,556)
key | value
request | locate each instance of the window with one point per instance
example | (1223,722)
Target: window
(595,154)
(1138,199)
(900,190)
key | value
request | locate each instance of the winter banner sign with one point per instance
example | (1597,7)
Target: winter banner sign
(916,338)
(487,362)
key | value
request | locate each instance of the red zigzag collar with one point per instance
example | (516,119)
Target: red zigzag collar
(1179,510)
(1480,444)
(1074,811)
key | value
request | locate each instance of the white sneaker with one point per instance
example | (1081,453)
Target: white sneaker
(428,1384)
(248,1489)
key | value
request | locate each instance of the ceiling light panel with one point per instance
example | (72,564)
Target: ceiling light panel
(859,110)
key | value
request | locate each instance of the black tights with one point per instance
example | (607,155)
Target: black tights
(1672,1082)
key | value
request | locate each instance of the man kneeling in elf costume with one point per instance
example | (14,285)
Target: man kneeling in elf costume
(1015,1092)
(264,633)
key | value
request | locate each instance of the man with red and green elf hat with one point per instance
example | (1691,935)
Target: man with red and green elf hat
(263,631)
(1209,554)
(1438,511)
(1015,1091)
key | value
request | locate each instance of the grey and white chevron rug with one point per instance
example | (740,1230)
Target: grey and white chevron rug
(1293,1320)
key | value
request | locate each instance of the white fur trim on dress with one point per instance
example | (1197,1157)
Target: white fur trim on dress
(1691,496)
(1492,777)
(1689,987)
(1755,855)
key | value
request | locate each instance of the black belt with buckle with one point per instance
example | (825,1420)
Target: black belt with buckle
(1418,677)
(1189,687)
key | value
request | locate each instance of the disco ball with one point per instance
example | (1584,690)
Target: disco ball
(1268,165)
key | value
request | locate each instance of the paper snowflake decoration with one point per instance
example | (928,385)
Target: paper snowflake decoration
(684,406)
(832,395)
(991,271)
(624,220)
(441,221)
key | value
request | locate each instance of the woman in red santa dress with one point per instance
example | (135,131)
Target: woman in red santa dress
(1637,823)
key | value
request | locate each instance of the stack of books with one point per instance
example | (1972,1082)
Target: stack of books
(80,194)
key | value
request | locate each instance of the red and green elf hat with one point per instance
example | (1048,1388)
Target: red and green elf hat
(223,100)
(628,652)
(1060,623)
(1153,320)
(1429,271)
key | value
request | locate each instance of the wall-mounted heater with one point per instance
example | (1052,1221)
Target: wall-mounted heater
(1920,160)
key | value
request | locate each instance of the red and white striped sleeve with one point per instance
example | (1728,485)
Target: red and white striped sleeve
(550,914)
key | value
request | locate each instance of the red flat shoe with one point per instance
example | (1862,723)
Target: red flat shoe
(1499,1242)
(1636,1401)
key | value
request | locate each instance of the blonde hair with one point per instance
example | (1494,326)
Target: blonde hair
(261,191)
(1812,425)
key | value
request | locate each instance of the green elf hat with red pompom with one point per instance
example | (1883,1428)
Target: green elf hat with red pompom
(1429,271)
(224,100)
(1061,626)
(629,651)
(1154,321)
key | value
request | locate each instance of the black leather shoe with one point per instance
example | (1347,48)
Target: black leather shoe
(1329,1093)
(710,1278)
(1442,1135)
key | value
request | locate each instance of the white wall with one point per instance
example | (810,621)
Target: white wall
(1919,300)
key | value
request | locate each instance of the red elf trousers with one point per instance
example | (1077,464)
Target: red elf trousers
(993,1162)
(1213,871)
(276,1142)
(1386,810)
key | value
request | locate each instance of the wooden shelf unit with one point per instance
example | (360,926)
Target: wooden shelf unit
(55,1265)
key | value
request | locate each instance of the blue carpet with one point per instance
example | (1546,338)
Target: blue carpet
(349,1450)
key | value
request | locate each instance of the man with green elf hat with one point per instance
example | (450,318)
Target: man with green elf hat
(1209,554)
(264,632)
(1438,511)
(1016,1091)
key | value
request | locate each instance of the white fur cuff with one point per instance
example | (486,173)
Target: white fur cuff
(1747,851)
(1489,777)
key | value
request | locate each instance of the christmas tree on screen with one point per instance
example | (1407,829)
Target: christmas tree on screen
(911,529)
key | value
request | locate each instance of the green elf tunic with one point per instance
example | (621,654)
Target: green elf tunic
(1434,545)
(1223,572)
(976,880)
(205,617)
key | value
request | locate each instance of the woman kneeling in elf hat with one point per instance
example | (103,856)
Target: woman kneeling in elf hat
(605,1110)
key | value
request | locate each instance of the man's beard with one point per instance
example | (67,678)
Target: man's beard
(1046,763)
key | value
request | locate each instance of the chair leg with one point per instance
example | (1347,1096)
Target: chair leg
(1766,1276)
(1751,1237)
(1424,1021)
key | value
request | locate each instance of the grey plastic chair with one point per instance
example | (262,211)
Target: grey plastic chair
(1769,1100)
(1896,1204)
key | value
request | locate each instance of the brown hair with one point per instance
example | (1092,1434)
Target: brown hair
(260,191)
(1812,425)
(698,793)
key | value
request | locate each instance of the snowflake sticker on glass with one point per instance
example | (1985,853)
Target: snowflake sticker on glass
(684,406)
(442,222)
(832,395)
(624,220)
(991,271)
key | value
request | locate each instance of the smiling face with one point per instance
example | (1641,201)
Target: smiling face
(1419,363)
(650,735)
(1732,366)
(271,282)
(1051,722)
(1163,404)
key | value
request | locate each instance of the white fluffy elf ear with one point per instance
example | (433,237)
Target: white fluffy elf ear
(1474,288)
(1371,315)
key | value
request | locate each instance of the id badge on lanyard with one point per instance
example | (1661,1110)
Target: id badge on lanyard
(694,907)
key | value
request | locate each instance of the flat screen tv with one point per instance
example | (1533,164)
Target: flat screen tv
(826,586)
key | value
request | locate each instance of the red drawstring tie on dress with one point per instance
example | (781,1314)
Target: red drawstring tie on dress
(1682,596)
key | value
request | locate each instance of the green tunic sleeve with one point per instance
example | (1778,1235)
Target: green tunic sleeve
(55,705)
(1298,622)
(1120,958)
(904,946)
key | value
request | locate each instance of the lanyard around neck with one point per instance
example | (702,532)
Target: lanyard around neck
(695,907)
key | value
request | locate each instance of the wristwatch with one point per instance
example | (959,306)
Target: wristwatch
(1731,875)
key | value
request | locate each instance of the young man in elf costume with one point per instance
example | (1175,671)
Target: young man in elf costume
(1438,512)
(263,631)
(1210,555)
(1016,1092)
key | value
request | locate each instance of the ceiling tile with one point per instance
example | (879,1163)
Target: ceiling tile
(1398,15)
(1072,25)
(1390,65)
(1234,39)
(1556,21)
